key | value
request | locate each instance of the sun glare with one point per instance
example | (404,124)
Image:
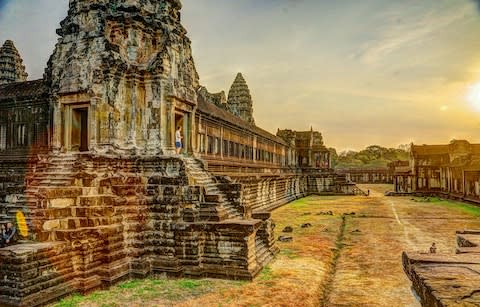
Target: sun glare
(473,96)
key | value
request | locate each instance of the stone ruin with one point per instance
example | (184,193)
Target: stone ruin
(89,174)
(447,280)
(101,219)
(11,64)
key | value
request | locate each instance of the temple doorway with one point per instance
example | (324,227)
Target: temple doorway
(179,122)
(79,129)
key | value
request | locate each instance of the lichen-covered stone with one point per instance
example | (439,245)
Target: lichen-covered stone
(240,101)
(11,64)
(132,59)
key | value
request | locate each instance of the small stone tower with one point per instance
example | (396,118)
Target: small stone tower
(240,101)
(11,64)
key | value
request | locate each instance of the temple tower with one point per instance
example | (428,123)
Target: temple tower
(123,70)
(240,101)
(11,64)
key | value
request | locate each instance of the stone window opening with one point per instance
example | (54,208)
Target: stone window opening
(210,145)
(21,135)
(217,146)
(3,137)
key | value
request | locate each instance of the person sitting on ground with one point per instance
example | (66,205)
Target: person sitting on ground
(433,248)
(178,139)
(10,234)
(2,235)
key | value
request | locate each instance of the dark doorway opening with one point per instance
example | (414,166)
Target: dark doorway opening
(80,129)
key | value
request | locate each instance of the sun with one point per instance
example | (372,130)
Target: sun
(473,96)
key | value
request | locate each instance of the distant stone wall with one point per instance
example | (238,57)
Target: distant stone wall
(372,175)
(268,192)
(265,193)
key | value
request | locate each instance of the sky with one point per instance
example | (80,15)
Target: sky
(362,72)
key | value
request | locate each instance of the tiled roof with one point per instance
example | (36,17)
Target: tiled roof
(23,89)
(210,110)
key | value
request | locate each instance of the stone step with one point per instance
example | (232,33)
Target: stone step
(97,200)
(77,211)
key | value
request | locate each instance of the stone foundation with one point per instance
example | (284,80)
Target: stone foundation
(104,218)
(447,280)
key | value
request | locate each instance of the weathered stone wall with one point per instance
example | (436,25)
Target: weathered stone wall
(130,63)
(131,216)
(267,192)
(12,189)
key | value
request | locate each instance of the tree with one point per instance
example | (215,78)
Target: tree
(370,157)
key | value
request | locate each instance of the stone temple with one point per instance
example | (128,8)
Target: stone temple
(88,169)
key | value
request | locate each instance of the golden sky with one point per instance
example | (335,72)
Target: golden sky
(362,72)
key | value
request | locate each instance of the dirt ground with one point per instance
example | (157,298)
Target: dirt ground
(350,258)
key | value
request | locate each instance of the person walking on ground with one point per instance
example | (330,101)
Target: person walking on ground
(178,140)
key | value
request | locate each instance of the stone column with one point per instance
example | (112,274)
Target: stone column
(167,124)
(57,127)
(188,127)
(254,146)
(221,142)
(92,123)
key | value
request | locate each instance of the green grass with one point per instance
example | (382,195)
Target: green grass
(130,284)
(71,301)
(310,202)
(189,284)
(266,274)
(289,253)
(450,204)
(135,291)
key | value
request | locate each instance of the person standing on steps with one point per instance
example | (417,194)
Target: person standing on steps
(178,140)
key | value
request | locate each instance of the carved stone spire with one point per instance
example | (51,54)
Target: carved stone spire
(240,101)
(11,64)
(134,60)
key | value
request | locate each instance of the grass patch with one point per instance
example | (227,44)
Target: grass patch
(450,204)
(189,284)
(71,301)
(151,289)
(266,274)
(289,253)
(131,284)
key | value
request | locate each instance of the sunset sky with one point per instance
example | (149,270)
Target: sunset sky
(362,72)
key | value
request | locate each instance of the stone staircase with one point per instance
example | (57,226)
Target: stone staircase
(65,205)
(52,173)
(215,198)
(358,191)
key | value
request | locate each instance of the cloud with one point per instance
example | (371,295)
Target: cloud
(399,34)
